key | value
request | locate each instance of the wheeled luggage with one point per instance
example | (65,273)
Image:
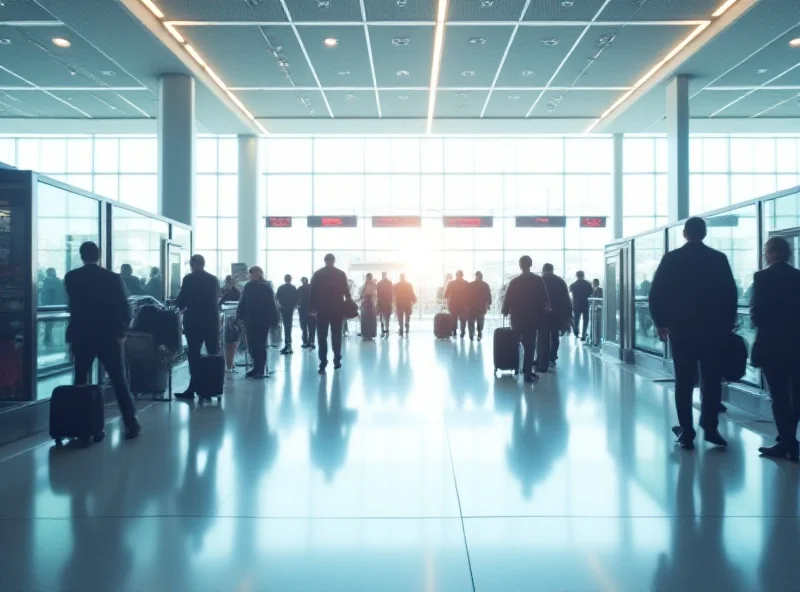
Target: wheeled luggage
(209,376)
(369,324)
(444,325)
(506,350)
(77,412)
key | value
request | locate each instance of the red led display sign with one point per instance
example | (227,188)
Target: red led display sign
(593,221)
(332,221)
(541,221)
(468,221)
(279,222)
(396,221)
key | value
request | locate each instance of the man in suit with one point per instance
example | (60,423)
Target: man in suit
(287,300)
(457,296)
(258,311)
(385,296)
(581,292)
(329,291)
(776,316)
(405,299)
(307,322)
(558,318)
(99,318)
(693,303)
(132,284)
(199,301)
(480,299)
(527,303)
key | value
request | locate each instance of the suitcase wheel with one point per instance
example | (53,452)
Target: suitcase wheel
(59,442)
(85,441)
(99,436)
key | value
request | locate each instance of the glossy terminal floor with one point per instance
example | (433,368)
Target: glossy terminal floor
(411,469)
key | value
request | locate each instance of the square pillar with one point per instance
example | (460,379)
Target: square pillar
(248,200)
(176,144)
(678,148)
(617,213)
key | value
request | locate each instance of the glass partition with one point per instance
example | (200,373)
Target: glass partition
(136,251)
(649,249)
(735,233)
(612,295)
(782,213)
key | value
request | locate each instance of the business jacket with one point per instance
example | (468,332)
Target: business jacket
(775,314)
(385,294)
(404,294)
(693,293)
(581,291)
(287,297)
(457,296)
(329,290)
(198,299)
(97,305)
(560,302)
(480,297)
(132,285)
(257,306)
(526,301)
(303,295)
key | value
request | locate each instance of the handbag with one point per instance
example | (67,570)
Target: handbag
(734,357)
(349,309)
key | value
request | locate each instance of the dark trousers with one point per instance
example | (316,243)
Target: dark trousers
(196,337)
(480,320)
(581,311)
(460,317)
(528,339)
(110,356)
(288,320)
(324,325)
(545,349)
(257,345)
(784,388)
(307,326)
(555,342)
(687,355)
(404,316)
(385,313)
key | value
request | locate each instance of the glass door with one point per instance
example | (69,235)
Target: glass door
(172,264)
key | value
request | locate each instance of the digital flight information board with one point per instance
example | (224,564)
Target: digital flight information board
(279,222)
(396,221)
(541,221)
(468,221)
(593,221)
(332,221)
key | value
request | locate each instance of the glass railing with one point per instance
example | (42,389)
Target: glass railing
(645,335)
(748,333)
(52,354)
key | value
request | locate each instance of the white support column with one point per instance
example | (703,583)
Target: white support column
(678,148)
(248,200)
(176,140)
(617,213)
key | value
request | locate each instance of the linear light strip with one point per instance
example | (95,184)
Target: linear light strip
(721,10)
(750,92)
(153,8)
(425,23)
(438,45)
(675,50)
(371,61)
(56,97)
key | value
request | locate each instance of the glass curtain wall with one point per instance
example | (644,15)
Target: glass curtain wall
(432,178)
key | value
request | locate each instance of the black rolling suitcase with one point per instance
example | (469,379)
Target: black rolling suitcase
(444,324)
(77,412)
(506,350)
(209,376)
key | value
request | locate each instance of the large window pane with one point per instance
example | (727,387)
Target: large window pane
(287,155)
(138,155)
(289,195)
(638,155)
(139,191)
(106,155)
(339,155)
(137,242)
(206,155)
(53,156)
(79,155)
(639,195)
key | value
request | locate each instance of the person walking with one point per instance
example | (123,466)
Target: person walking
(385,297)
(259,313)
(307,320)
(693,304)
(581,291)
(154,286)
(287,300)
(369,302)
(558,319)
(776,317)
(405,299)
(199,300)
(597,291)
(457,296)
(526,302)
(479,301)
(99,317)
(329,292)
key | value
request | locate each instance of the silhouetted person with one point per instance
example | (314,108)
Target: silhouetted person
(230,291)
(775,313)
(154,286)
(457,296)
(329,291)
(581,292)
(693,303)
(99,319)
(52,294)
(558,319)
(597,290)
(526,302)
(258,311)
(385,295)
(405,299)
(133,286)
(307,321)
(479,301)
(198,299)
(287,300)
(369,302)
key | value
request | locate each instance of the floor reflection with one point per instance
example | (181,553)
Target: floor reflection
(331,435)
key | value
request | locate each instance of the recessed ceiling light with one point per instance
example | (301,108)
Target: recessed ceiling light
(61,42)
(477,40)
(283,63)
(5,41)
(513,97)
(401,3)
(402,97)
(549,41)
(400,41)
(567,3)
(761,71)
(402,72)
(73,73)
(108,73)
(462,96)
(323,4)
(795,42)
(468,73)
(331,42)
(344,73)
(351,96)
(487,3)
(527,72)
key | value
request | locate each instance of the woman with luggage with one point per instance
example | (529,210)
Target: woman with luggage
(369,303)
(259,312)
(232,330)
